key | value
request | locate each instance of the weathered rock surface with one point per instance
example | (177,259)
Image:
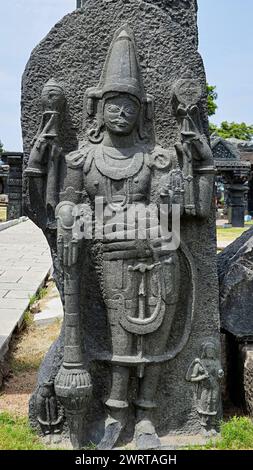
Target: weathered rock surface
(248,379)
(235,269)
(74,53)
(75,49)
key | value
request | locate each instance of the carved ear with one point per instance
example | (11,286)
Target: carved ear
(90,106)
(149,107)
(91,99)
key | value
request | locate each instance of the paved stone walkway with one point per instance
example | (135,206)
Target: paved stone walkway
(24,264)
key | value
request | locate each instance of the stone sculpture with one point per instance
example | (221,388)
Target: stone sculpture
(236,281)
(130,296)
(46,151)
(206,373)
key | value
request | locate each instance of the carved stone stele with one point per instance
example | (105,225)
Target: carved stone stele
(133,133)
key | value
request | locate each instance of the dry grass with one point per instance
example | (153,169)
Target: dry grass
(27,352)
(30,347)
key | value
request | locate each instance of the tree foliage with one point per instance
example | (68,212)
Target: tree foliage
(1,148)
(212,96)
(226,130)
(232,129)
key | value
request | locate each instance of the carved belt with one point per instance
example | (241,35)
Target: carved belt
(143,325)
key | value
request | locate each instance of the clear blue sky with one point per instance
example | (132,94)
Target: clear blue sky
(226,44)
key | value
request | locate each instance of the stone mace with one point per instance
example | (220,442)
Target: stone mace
(73,383)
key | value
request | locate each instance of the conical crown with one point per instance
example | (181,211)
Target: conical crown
(121,72)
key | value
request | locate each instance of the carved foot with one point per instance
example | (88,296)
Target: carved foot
(145,436)
(112,433)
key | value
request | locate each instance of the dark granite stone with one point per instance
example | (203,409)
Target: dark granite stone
(236,286)
(178,166)
(236,297)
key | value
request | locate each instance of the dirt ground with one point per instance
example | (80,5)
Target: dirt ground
(27,351)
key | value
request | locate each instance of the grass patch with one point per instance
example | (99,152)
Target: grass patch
(233,232)
(16,434)
(36,297)
(28,316)
(32,344)
(230,234)
(236,434)
(27,320)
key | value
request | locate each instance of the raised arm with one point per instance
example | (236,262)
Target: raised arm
(43,169)
(194,152)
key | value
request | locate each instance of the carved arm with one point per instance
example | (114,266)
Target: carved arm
(194,152)
(42,172)
(66,211)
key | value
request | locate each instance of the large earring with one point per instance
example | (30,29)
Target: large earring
(96,135)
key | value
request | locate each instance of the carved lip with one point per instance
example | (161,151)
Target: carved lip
(119,123)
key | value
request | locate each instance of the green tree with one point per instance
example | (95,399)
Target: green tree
(1,148)
(212,96)
(226,130)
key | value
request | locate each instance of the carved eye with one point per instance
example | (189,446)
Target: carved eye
(53,95)
(112,108)
(129,110)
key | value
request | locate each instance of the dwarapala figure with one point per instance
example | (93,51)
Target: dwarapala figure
(119,167)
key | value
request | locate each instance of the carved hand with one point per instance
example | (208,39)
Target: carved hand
(202,150)
(45,138)
(192,135)
(67,250)
(67,243)
(48,132)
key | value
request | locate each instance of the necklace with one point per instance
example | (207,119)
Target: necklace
(119,206)
(112,171)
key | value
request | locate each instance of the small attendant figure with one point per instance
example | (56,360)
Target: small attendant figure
(206,374)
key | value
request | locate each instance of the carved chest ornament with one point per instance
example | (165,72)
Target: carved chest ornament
(114,172)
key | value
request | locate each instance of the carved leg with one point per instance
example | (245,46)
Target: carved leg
(145,433)
(117,405)
(119,288)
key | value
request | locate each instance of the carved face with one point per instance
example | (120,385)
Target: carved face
(210,351)
(52,99)
(121,114)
